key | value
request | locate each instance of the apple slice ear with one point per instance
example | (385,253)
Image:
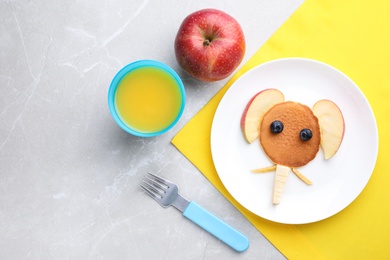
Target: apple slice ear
(332,126)
(254,111)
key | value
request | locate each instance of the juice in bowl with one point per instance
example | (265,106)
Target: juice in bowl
(146,98)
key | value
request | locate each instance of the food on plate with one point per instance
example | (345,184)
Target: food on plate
(280,182)
(288,147)
(291,133)
(332,126)
(253,113)
(209,45)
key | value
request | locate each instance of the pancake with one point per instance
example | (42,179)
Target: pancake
(287,147)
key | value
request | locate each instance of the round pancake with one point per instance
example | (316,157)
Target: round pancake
(287,148)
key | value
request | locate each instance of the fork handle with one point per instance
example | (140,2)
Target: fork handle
(216,227)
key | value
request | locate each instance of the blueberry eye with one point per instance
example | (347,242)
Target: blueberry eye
(305,134)
(276,127)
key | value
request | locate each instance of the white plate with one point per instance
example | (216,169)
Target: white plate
(336,182)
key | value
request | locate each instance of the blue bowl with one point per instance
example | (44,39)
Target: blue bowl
(127,69)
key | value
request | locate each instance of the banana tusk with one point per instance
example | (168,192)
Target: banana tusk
(301,176)
(280,182)
(265,169)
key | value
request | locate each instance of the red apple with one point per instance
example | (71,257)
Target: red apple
(209,45)
(332,126)
(254,111)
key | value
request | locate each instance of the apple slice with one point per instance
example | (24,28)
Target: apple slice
(254,111)
(332,126)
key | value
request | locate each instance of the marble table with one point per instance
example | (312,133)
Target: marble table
(69,176)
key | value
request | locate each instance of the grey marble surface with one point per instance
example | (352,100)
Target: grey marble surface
(69,176)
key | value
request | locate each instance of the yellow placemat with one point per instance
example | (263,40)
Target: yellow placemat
(353,36)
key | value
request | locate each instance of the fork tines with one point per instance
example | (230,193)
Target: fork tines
(154,185)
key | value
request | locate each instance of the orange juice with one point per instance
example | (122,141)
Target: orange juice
(148,99)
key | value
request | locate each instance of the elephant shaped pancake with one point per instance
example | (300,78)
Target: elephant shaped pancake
(291,133)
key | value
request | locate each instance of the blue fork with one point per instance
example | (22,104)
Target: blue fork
(167,194)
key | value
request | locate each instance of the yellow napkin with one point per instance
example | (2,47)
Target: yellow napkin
(353,36)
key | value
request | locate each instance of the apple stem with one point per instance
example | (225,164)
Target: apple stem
(206,42)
